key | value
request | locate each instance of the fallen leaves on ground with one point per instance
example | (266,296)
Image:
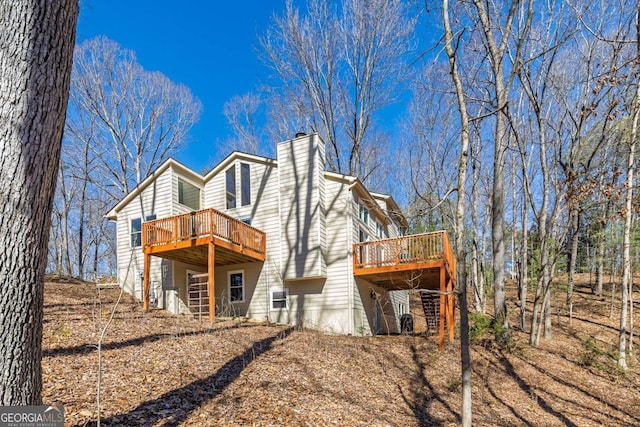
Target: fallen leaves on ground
(165,370)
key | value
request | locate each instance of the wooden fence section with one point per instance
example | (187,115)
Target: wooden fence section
(415,249)
(203,224)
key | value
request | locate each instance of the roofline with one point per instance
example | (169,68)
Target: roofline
(170,162)
(394,206)
(395,210)
(238,155)
(348,179)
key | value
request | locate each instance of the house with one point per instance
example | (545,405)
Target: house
(279,239)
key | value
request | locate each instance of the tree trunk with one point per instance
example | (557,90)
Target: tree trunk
(523,271)
(81,215)
(547,313)
(600,248)
(477,278)
(465,356)
(574,218)
(626,241)
(496,51)
(36,51)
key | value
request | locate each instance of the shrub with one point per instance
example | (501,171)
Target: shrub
(479,326)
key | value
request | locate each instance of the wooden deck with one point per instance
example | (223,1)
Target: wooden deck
(184,238)
(420,261)
(206,238)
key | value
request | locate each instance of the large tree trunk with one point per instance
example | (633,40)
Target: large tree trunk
(36,51)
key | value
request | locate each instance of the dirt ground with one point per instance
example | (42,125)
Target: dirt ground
(159,369)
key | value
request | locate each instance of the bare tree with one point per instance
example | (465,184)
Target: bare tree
(241,112)
(627,278)
(334,70)
(460,247)
(36,52)
(137,117)
(496,37)
(122,123)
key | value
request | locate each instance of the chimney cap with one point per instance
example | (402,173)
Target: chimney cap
(299,134)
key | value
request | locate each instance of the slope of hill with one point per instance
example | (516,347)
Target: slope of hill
(160,369)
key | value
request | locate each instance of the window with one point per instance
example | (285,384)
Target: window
(136,232)
(236,286)
(150,218)
(188,195)
(230,177)
(402,308)
(279,299)
(363,236)
(246,220)
(245,184)
(363,214)
(379,230)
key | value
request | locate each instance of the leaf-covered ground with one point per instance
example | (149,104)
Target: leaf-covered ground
(159,369)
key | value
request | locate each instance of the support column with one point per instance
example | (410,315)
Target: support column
(443,308)
(211,261)
(145,282)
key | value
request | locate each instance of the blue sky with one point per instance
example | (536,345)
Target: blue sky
(209,46)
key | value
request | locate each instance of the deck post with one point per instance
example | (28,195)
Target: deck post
(210,283)
(145,283)
(443,308)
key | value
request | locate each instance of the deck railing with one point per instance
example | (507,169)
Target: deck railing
(417,248)
(202,224)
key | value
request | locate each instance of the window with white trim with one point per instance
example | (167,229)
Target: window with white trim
(188,194)
(379,230)
(236,286)
(245,184)
(363,236)
(136,232)
(363,214)
(230,185)
(280,299)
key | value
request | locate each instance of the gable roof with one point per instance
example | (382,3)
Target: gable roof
(170,163)
(369,197)
(354,182)
(238,155)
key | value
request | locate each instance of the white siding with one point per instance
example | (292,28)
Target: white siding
(323,304)
(264,215)
(302,207)
(156,199)
(311,223)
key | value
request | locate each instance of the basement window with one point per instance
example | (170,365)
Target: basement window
(279,299)
(236,286)
(188,195)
